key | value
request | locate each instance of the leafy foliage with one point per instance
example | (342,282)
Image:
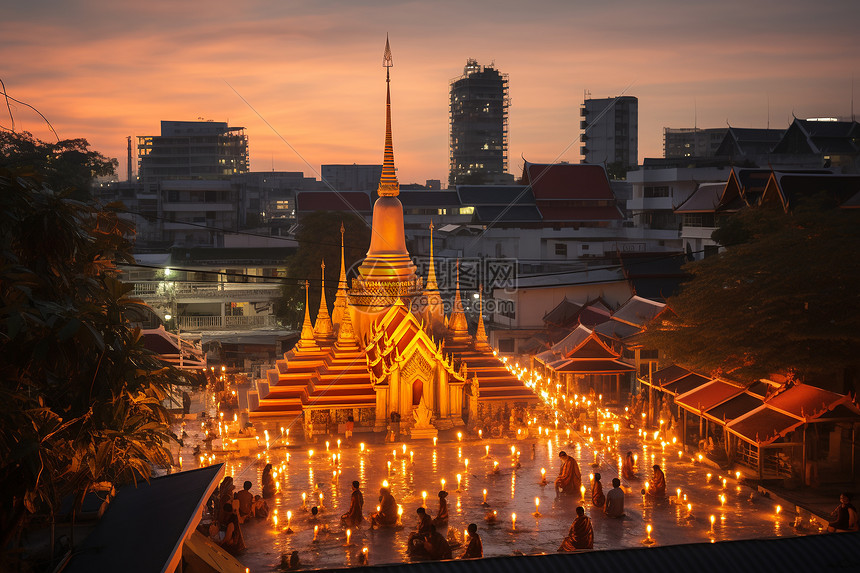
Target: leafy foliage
(80,396)
(781,299)
(65,166)
(319,240)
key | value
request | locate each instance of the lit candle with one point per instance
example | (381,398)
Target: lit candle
(289,518)
(543,475)
(537,507)
(404,448)
(678,491)
(709,477)
(316,531)
(338,443)
(737,475)
(480,434)
(310,453)
(582,491)
(361,447)
(713,519)
(411,456)
(648,531)
(348,535)
(487,450)
(443,483)
(459,436)
(646,487)
(326,445)
(304,500)
(466,463)
(385,483)
(778,509)
(389,466)
(513,521)
(485,496)
(434,441)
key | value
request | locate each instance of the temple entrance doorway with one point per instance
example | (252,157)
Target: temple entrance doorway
(417,392)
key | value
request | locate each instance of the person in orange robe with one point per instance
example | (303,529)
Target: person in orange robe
(627,471)
(569,479)
(415,543)
(441,519)
(353,516)
(387,514)
(597,497)
(475,549)
(581,534)
(657,486)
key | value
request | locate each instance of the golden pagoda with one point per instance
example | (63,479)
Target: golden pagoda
(387,357)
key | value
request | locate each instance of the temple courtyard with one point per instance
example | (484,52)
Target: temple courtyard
(713,505)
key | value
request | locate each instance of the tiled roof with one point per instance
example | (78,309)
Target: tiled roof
(567,181)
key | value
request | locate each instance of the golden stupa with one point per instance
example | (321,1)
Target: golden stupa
(386,357)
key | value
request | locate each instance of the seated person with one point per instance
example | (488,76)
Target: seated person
(232,541)
(432,545)
(475,549)
(387,514)
(844,517)
(597,497)
(441,519)
(569,479)
(261,508)
(580,535)
(353,516)
(615,500)
(422,528)
(657,485)
(627,471)
(246,502)
(268,482)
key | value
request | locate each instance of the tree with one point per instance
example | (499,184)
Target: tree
(781,299)
(80,396)
(67,166)
(319,240)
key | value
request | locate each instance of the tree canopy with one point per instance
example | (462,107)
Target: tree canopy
(782,298)
(68,165)
(319,240)
(80,396)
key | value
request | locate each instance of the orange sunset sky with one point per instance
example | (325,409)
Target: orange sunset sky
(105,70)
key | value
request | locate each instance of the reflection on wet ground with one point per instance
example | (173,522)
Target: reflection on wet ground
(512,490)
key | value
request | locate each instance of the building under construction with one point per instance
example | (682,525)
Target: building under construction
(479,125)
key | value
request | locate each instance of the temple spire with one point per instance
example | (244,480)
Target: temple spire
(481,334)
(458,328)
(340,298)
(306,339)
(323,331)
(388,185)
(433,310)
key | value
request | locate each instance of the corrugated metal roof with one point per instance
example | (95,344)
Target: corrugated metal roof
(813,553)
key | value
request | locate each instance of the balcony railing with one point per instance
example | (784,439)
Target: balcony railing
(190,323)
(166,290)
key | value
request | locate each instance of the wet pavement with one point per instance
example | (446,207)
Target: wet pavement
(512,490)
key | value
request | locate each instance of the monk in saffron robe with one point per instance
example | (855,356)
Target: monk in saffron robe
(353,516)
(627,471)
(581,534)
(415,543)
(387,514)
(441,519)
(597,497)
(569,478)
(657,486)
(475,549)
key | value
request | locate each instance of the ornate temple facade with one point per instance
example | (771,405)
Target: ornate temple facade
(388,355)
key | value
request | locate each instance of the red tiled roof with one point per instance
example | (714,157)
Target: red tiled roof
(763,426)
(707,396)
(803,400)
(567,181)
(684,384)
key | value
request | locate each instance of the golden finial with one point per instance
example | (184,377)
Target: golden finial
(388,185)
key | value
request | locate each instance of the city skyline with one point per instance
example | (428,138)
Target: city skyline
(102,72)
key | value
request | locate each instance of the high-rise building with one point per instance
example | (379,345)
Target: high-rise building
(610,131)
(193,150)
(479,125)
(692,141)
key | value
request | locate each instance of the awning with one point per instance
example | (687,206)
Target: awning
(804,401)
(733,408)
(763,426)
(706,397)
(685,384)
(665,375)
(163,512)
(594,367)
